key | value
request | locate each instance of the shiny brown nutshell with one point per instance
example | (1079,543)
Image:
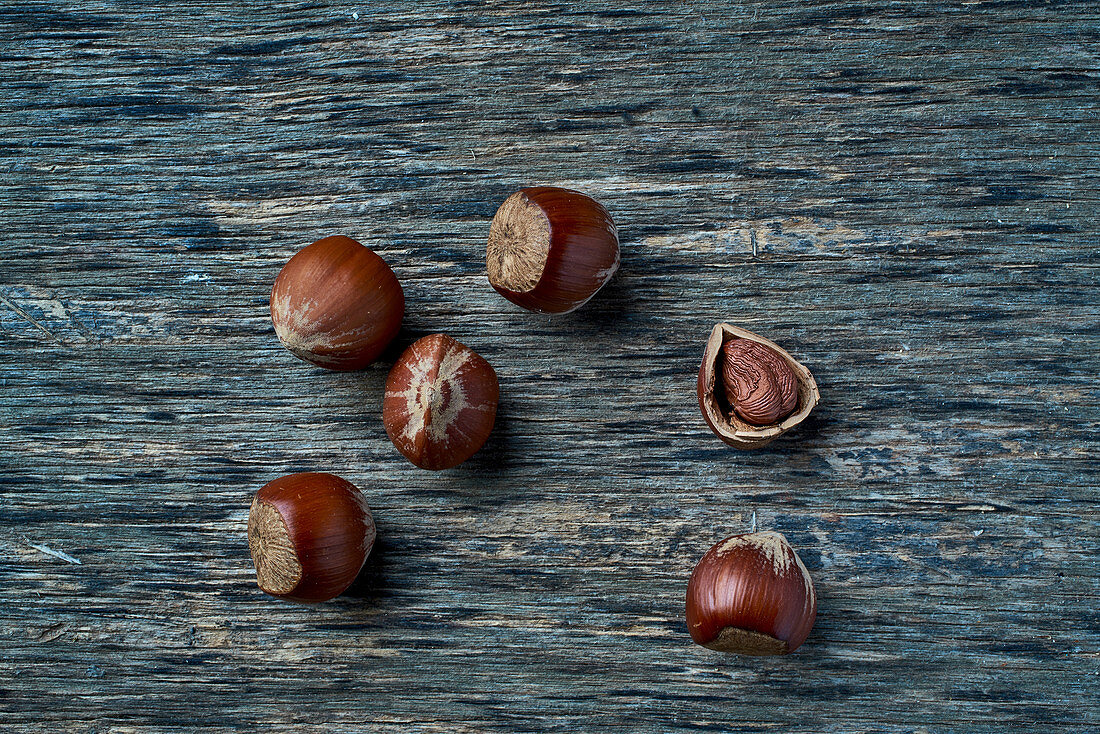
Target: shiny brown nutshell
(309,535)
(744,388)
(440,403)
(751,594)
(550,249)
(337,304)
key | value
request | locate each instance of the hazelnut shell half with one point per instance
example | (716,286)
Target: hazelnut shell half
(716,409)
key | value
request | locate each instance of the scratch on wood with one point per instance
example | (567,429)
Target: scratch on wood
(927,567)
(28,318)
(55,553)
(47,634)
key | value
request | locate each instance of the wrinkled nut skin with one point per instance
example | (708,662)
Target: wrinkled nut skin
(337,304)
(323,522)
(583,250)
(759,383)
(724,421)
(750,594)
(440,403)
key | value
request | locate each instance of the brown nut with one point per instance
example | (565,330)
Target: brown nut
(751,594)
(759,383)
(740,383)
(337,304)
(440,403)
(551,249)
(309,535)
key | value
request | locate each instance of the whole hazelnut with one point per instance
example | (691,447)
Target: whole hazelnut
(750,390)
(440,403)
(337,304)
(751,594)
(309,535)
(550,249)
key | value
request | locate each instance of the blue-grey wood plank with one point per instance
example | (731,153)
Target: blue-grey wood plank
(904,195)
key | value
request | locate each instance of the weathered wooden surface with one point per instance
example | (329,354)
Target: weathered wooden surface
(904,195)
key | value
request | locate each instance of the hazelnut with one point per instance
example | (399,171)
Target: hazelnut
(759,383)
(337,304)
(750,390)
(309,535)
(440,403)
(751,594)
(551,249)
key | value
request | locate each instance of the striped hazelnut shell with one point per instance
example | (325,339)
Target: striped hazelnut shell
(751,594)
(309,535)
(337,304)
(551,249)
(719,409)
(440,402)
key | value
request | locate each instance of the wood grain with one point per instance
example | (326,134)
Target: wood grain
(903,195)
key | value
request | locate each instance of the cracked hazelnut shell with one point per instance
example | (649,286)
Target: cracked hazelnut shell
(751,594)
(551,249)
(764,386)
(337,304)
(309,535)
(440,402)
